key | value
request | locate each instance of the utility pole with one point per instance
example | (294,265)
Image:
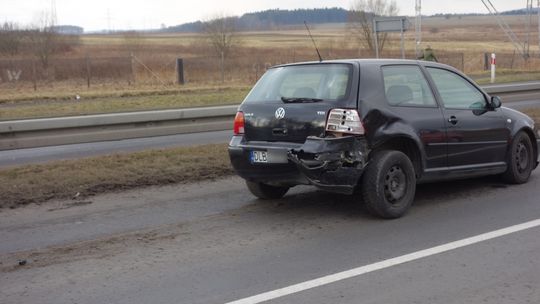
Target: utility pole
(418,26)
(527,43)
(53,13)
(109,21)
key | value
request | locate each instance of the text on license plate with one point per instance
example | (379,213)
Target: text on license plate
(259,156)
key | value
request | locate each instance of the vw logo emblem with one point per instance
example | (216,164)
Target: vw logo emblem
(280,113)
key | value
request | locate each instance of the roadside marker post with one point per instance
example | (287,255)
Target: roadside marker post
(493,66)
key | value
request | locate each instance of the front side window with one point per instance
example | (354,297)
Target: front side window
(406,86)
(455,91)
(329,82)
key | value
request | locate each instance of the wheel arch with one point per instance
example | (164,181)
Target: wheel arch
(521,122)
(406,145)
(532,137)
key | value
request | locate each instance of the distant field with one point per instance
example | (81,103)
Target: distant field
(150,80)
(468,33)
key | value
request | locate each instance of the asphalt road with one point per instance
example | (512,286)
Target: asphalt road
(214,243)
(45,154)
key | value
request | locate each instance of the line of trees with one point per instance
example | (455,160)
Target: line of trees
(270,19)
(42,40)
(11,39)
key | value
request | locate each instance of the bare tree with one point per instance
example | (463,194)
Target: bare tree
(221,33)
(44,39)
(10,38)
(361,21)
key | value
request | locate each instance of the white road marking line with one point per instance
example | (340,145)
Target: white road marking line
(270,295)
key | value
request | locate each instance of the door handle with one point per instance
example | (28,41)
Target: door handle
(453,120)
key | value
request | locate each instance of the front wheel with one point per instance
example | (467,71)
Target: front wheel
(389,184)
(520,160)
(264,191)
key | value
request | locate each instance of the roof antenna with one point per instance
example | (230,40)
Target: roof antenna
(314,44)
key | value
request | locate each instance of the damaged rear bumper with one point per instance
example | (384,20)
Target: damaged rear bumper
(331,164)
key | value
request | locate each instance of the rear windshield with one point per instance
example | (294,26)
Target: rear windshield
(329,82)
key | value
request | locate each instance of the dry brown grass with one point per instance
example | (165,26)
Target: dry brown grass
(87,177)
(506,75)
(470,35)
(534,113)
(460,42)
(124,102)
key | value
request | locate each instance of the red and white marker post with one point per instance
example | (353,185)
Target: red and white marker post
(493,67)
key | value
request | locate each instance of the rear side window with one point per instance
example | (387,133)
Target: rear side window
(406,86)
(330,82)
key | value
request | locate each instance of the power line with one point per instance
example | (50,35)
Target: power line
(506,28)
(109,30)
(54,17)
(528,26)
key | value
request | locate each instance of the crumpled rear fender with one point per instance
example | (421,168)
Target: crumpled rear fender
(384,127)
(332,163)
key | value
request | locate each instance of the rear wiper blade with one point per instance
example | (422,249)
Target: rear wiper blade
(299,99)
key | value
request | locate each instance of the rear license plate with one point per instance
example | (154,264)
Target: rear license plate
(259,157)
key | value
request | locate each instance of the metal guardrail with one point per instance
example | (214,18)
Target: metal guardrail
(42,132)
(30,133)
(510,88)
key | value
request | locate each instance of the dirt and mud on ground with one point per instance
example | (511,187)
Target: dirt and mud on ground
(80,179)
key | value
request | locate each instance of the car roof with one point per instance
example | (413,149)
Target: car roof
(369,61)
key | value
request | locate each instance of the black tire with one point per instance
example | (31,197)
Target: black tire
(388,184)
(520,160)
(264,191)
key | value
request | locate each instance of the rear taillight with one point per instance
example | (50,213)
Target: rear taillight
(344,121)
(239,123)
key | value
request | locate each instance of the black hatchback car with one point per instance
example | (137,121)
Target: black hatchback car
(377,126)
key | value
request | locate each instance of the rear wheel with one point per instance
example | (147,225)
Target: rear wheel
(520,160)
(264,191)
(389,184)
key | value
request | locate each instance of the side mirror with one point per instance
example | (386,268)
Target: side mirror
(495,102)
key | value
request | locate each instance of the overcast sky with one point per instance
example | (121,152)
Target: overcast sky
(140,14)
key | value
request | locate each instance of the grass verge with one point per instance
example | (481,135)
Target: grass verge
(86,177)
(125,102)
(505,76)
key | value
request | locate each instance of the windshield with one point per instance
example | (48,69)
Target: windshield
(328,82)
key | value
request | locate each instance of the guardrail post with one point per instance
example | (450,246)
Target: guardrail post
(180,71)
